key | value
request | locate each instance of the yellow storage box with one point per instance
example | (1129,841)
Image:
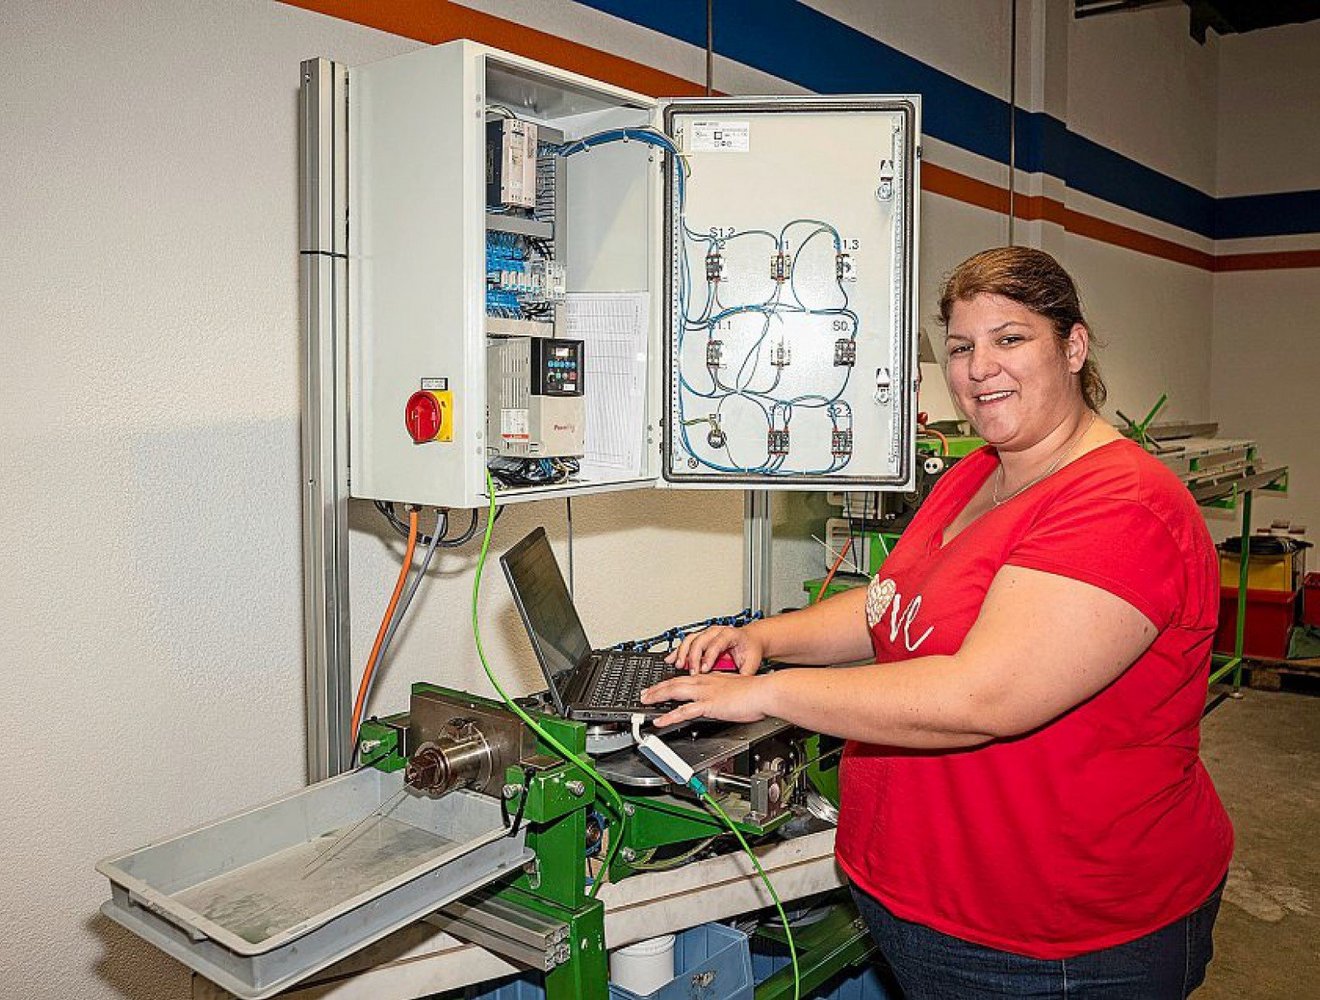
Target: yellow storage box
(1276,563)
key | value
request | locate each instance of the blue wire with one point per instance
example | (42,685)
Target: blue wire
(708,321)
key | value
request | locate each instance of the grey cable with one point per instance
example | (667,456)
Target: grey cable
(568,508)
(441,525)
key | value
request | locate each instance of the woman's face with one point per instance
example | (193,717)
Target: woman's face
(1012,376)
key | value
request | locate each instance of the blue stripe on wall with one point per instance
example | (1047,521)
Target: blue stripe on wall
(1099,171)
(798,43)
(1292,213)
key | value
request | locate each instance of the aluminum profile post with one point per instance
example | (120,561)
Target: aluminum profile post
(758,538)
(323,277)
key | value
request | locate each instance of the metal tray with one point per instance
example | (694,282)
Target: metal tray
(257,901)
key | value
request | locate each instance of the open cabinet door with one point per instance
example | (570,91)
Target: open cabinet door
(790,332)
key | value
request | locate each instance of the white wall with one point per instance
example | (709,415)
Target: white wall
(1267,383)
(1269,118)
(151,596)
(1152,318)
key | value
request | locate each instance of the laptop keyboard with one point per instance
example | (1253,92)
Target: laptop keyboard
(624,676)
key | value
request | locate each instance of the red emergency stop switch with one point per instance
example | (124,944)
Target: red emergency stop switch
(428,416)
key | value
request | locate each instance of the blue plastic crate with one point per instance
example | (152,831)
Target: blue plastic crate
(712,945)
(717,954)
(714,964)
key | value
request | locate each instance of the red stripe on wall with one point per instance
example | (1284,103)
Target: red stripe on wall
(435,21)
(1073,221)
(1278,260)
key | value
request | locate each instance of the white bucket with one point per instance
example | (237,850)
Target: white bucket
(644,967)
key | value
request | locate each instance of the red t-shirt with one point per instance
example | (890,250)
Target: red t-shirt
(1102,825)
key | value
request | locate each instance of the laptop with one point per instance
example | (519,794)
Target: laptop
(591,685)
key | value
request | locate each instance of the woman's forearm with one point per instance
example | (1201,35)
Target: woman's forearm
(833,631)
(926,703)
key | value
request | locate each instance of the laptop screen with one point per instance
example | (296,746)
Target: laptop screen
(542,597)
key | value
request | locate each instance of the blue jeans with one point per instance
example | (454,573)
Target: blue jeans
(1167,964)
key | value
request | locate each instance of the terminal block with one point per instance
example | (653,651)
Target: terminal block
(845,352)
(714,353)
(714,266)
(781,266)
(781,354)
(844,268)
(841,443)
(777,442)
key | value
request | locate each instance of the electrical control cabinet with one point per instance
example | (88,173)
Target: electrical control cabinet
(731,280)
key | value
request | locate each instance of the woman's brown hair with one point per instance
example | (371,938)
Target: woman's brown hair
(1036,280)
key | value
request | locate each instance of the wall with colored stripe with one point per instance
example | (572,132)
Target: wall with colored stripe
(149,548)
(1265,372)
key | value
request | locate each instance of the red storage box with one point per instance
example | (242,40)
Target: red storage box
(1270,615)
(1310,599)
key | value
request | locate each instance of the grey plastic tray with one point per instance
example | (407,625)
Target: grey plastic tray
(262,899)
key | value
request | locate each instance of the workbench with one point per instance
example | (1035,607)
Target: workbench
(423,959)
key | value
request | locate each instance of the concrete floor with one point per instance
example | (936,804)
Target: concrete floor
(1264,755)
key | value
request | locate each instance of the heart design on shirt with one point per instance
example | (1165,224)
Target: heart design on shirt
(879,594)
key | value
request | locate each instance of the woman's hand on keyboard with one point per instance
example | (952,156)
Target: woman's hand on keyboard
(703,651)
(727,697)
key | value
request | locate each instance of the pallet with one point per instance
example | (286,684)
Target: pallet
(1267,673)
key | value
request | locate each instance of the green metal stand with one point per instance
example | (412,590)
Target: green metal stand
(825,949)
(586,974)
(1222,665)
(1137,429)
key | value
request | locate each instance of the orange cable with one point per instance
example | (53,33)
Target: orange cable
(820,594)
(360,703)
(944,442)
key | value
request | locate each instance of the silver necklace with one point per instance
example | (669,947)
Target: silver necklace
(999,473)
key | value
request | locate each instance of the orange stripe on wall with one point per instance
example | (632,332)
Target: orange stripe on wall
(951,184)
(436,21)
(1133,239)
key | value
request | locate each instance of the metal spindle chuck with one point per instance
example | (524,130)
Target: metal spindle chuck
(459,757)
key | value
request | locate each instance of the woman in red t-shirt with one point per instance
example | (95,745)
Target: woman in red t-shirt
(1023,809)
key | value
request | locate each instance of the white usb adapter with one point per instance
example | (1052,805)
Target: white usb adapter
(661,755)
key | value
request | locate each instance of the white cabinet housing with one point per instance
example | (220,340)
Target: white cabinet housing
(722,289)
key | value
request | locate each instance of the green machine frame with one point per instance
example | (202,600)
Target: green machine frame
(558,803)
